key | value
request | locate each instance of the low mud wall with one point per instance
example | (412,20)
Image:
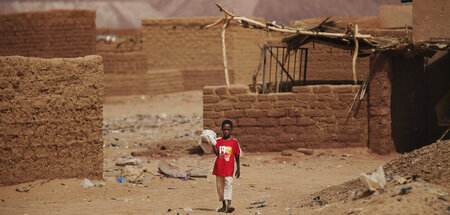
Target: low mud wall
(50,118)
(310,116)
(48,34)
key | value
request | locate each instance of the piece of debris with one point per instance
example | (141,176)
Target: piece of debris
(197,172)
(99,184)
(187,209)
(374,181)
(305,151)
(317,200)
(356,210)
(244,164)
(258,202)
(170,170)
(346,156)
(287,153)
(86,183)
(130,162)
(404,190)
(121,180)
(133,174)
(24,189)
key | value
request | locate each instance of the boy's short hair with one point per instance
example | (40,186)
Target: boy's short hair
(225,122)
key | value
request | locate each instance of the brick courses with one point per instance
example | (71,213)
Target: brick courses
(48,34)
(184,44)
(379,112)
(264,125)
(50,118)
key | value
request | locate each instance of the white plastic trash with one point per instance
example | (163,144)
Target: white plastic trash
(374,181)
(207,139)
(86,183)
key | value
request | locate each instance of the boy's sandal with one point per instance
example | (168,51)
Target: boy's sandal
(230,210)
(223,209)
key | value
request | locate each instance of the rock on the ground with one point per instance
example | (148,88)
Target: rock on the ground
(133,174)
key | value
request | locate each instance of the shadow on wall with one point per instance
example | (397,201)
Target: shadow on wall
(415,91)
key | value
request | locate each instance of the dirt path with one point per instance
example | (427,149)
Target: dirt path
(136,124)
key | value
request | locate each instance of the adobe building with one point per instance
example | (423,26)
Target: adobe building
(401,109)
(49,34)
(51,95)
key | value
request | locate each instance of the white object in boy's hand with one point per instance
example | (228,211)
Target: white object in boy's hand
(207,139)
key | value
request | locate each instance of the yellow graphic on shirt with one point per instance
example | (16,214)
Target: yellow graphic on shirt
(225,152)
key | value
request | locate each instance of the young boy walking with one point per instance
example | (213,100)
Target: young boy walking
(227,149)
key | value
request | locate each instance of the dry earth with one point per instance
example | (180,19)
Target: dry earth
(143,125)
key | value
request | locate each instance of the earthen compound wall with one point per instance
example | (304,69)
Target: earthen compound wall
(50,118)
(127,71)
(329,63)
(49,34)
(185,44)
(310,116)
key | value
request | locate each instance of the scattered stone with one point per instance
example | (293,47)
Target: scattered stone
(197,172)
(24,189)
(170,170)
(356,210)
(287,153)
(305,151)
(129,161)
(346,156)
(187,209)
(133,174)
(99,184)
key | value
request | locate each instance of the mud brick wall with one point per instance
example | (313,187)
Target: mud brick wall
(146,83)
(310,116)
(328,63)
(50,118)
(197,79)
(125,73)
(184,44)
(379,112)
(430,20)
(49,34)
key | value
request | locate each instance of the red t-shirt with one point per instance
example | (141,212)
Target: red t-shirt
(224,165)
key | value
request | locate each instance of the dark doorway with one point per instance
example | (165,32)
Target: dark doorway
(408,103)
(417,85)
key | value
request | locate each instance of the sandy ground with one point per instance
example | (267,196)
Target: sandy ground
(145,124)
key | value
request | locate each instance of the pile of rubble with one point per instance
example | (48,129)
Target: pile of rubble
(416,182)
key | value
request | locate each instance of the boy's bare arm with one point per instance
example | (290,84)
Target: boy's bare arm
(238,169)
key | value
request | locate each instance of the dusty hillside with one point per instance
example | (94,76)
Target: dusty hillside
(122,14)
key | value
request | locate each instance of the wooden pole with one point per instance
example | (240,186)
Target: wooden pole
(355,55)
(224,50)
